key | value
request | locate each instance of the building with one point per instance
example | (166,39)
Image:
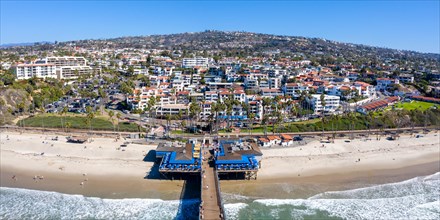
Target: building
(287,140)
(72,72)
(54,67)
(195,62)
(406,78)
(295,89)
(66,61)
(384,83)
(171,109)
(331,104)
(271,92)
(27,71)
(372,106)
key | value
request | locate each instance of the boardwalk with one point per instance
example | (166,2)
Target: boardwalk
(211,201)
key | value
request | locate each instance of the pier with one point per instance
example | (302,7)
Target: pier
(211,206)
(210,161)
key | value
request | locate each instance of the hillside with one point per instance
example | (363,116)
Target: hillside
(246,43)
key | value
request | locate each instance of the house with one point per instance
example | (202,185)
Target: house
(286,140)
(406,78)
(274,140)
(384,83)
(264,142)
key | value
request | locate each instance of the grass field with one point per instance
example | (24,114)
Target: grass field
(77,122)
(413,105)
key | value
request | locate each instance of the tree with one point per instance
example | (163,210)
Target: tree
(126,88)
(89,117)
(251,117)
(194,110)
(119,117)
(322,98)
(63,113)
(264,122)
(183,124)
(68,126)
(130,71)
(111,114)
(266,102)
(150,105)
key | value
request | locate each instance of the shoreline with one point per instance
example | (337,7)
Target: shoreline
(289,188)
(294,172)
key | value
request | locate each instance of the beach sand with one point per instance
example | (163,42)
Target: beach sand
(107,172)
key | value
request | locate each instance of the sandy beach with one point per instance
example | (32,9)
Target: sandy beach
(102,169)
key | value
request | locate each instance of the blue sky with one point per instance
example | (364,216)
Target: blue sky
(412,25)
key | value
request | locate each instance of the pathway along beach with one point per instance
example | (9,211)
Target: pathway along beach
(108,172)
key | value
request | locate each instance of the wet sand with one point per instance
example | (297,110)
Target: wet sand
(304,187)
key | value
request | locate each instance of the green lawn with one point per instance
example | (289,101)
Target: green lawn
(413,105)
(178,132)
(77,122)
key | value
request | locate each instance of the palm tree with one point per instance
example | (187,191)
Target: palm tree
(119,117)
(111,114)
(150,105)
(194,110)
(183,125)
(43,111)
(63,112)
(264,122)
(228,111)
(68,126)
(89,117)
(266,102)
(251,117)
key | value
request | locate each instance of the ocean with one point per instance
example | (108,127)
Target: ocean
(417,198)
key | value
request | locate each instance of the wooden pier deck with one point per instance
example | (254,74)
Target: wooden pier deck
(211,207)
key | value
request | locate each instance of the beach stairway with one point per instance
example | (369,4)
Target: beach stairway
(211,206)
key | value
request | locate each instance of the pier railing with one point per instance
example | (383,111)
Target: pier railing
(219,195)
(202,183)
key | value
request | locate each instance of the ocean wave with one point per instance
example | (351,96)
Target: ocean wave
(26,204)
(232,210)
(417,198)
(414,186)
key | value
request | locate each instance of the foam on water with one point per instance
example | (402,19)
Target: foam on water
(417,198)
(25,204)
(232,210)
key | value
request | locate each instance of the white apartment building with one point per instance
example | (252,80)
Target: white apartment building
(54,67)
(69,67)
(206,110)
(67,61)
(172,109)
(211,96)
(27,71)
(331,103)
(295,89)
(193,62)
(250,82)
(384,83)
(274,83)
(271,92)
(72,72)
